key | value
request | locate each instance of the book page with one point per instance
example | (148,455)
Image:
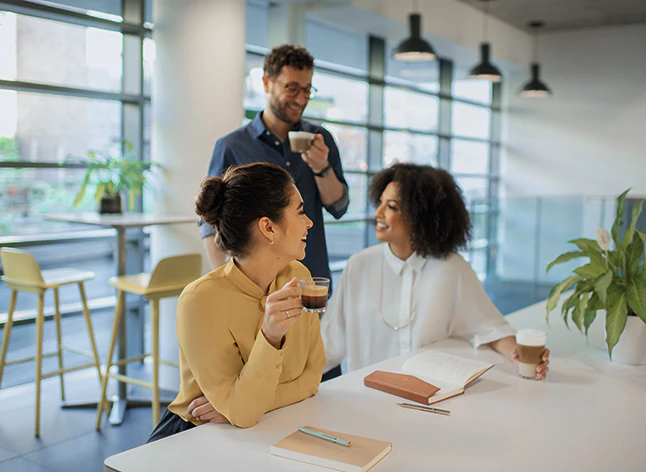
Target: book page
(444,368)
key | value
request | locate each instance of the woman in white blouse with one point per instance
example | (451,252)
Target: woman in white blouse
(415,289)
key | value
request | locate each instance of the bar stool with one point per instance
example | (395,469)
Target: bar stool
(168,279)
(22,274)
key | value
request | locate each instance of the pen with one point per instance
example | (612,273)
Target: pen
(425,408)
(327,437)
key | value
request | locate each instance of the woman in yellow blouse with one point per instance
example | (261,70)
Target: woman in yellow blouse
(245,345)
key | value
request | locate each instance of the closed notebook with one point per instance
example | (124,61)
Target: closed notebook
(362,455)
(402,385)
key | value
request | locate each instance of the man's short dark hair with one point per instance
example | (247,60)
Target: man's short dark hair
(432,202)
(287,55)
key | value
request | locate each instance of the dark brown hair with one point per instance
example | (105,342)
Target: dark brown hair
(432,202)
(287,55)
(234,202)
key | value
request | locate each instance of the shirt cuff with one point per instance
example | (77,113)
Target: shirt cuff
(205,230)
(265,359)
(338,208)
(492,334)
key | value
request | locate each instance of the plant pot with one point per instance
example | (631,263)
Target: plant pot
(631,348)
(110,204)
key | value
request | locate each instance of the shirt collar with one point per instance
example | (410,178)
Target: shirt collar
(415,261)
(258,127)
(244,284)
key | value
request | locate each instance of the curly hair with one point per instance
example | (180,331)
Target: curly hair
(432,202)
(287,55)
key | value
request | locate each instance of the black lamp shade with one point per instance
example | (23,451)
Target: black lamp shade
(535,88)
(414,48)
(485,70)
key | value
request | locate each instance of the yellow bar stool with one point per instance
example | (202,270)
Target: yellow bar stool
(168,279)
(22,274)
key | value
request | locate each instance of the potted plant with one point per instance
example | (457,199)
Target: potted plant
(114,175)
(614,281)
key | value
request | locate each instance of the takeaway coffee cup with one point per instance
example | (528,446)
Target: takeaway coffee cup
(314,294)
(300,141)
(531,346)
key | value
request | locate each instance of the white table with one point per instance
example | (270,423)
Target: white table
(120,222)
(588,415)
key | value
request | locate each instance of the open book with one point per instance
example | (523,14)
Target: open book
(359,457)
(451,374)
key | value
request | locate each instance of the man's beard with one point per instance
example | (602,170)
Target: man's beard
(280,112)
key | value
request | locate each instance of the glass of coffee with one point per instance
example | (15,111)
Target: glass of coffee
(531,346)
(300,141)
(314,294)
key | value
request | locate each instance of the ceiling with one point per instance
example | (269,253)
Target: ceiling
(565,14)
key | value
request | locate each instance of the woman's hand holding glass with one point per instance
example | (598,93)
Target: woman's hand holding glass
(283,308)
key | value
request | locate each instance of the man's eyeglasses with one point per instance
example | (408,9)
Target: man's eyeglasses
(292,89)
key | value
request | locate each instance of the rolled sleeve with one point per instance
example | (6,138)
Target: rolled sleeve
(340,207)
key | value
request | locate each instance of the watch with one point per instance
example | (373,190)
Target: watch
(324,172)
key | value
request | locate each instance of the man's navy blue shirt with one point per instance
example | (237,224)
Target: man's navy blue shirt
(255,143)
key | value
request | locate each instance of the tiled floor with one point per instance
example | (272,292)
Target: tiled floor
(68,440)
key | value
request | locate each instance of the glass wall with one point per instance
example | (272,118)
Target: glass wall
(63,66)
(432,114)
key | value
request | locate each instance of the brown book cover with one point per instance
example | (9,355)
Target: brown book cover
(402,385)
(361,456)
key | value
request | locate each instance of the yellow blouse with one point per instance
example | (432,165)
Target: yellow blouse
(224,355)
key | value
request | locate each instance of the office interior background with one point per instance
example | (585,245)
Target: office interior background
(172,76)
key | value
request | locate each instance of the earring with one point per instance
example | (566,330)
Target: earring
(271,242)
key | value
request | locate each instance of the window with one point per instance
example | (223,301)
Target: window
(353,145)
(50,128)
(409,147)
(469,157)
(410,110)
(470,121)
(37,50)
(420,75)
(338,99)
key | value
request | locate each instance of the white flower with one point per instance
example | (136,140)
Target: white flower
(603,238)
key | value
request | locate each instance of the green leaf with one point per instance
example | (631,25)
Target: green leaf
(100,191)
(636,296)
(628,237)
(590,271)
(633,256)
(81,193)
(616,316)
(564,258)
(565,285)
(601,286)
(568,304)
(618,218)
(579,310)
(587,245)
(594,303)
(588,317)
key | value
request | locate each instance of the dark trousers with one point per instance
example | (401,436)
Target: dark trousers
(330,374)
(168,425)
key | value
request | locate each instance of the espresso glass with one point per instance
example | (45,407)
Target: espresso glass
(531,346)
(314,294)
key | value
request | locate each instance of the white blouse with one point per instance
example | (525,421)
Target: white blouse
(427,299)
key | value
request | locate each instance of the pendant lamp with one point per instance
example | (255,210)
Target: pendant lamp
(485,70)
(414,48)
(535,87)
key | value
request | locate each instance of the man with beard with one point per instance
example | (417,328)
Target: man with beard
(318,172)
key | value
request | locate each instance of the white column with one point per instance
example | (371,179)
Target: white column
(196,98)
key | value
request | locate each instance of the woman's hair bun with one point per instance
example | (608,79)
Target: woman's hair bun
(210,199)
